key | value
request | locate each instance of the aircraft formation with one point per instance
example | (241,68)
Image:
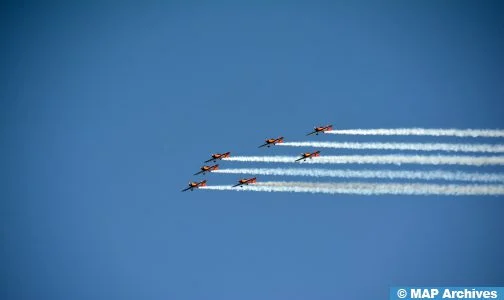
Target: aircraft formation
(406,181)
(267,143)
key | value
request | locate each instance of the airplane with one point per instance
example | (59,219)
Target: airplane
(217,156)
(306,155)
(320,129)
(245,181)
(205,169)
(195,185)
(270,142)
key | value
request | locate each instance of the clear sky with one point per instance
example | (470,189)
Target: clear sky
(107,111)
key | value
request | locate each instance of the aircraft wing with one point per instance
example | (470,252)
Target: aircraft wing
(186,189)
(209,160)
(263,145)
(199,172)
(300,159)
(238,184)
(311,133)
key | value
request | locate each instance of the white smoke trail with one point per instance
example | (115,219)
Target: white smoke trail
(368,188)
(380,159)
(488,148)
(495,133)
(383,174)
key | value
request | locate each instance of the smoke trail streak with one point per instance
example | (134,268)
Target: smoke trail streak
(380,159)
(383,174)
(369,188)
(495,133)
(488,148)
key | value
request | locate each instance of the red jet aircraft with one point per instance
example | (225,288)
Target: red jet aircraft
(270,142)
(205,169)
(320,129)
(245,181)
(306,155)
(217,156)
(195,185)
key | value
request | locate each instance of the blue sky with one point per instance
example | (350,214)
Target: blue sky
(108,110)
